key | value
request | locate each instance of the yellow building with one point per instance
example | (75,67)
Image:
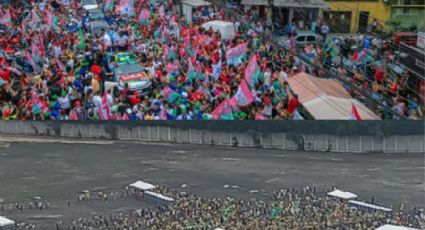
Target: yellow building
(355,16)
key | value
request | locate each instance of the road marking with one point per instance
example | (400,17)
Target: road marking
(179,151)
(51,140)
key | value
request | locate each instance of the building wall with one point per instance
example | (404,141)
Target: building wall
(377,9)
(336,136)
(409,15)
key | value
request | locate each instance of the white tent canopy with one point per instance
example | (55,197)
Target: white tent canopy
(326,99)
(342,194)
(142,185)
(160,196)
(371,206)
(4,222)
(226,29)
(328,107)
(394,227)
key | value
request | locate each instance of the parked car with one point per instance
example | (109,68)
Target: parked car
(96,21)
(301,39)
(89,4)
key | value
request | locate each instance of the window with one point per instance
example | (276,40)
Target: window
(300,39)
(311,38)
(406,10)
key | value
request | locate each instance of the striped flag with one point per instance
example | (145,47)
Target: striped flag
(104,110)
(37,104)
(251,70)
(243,96)
(223,111)
(144,15)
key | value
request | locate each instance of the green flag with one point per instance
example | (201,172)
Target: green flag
(82,43)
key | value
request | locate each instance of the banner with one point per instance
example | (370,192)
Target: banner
(236,54)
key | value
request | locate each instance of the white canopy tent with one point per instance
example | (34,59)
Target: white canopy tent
(226,29)
(342,194)
(5,222)
(142,185)
(188,6)
(333,108)
(160,196)
(371,206)
(394,227)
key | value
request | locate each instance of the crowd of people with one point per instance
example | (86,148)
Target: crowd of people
(65,71)
(303,208)
(53,72)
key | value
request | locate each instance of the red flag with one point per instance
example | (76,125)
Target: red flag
(354,113)
(41,45)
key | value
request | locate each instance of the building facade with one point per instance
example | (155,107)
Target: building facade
(346,16)
(408,13)
(284,11)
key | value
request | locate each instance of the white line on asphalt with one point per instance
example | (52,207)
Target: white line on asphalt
(51,140)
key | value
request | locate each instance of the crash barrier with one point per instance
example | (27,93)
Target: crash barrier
(336,136)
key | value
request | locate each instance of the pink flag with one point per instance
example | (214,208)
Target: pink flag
(171,67)
(224,109)
(23,26)
(60,64)
(163,114)
(49,17)
(243,96)
(190,67)
(260,116)
(37,101)
(104,110)
(354,113)
(161,11)
(251,70)
(144,14)
(34,18)
(166,92)
(173,19)
(6,19)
